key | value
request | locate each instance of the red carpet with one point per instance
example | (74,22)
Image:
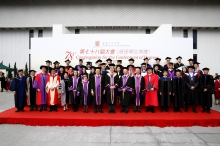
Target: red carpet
(79,118)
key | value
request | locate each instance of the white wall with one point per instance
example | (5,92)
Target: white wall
(14,46)
(208,47)
(45,13)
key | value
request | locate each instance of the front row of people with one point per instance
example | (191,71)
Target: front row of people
(45,89)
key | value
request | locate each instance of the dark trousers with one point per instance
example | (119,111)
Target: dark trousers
(32,107)
(75,107)
(111,107)
(43,106)
(125,107)
(95,107)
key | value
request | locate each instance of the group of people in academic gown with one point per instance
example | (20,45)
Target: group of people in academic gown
(152,86)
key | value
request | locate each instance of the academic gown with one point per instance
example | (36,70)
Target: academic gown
(160,67)
(119,76)
(79,67)
(84,92)
(206,82)
(178,90)
(31,92)
(20,88)
(192,95)
(177,65)
(151,98)
(125,82)
(53,81)
(165,87)
(49,70)
(217,87)
(97,86)
(139,85)
(111,94)
(40,83)
(159,73)
(74,85)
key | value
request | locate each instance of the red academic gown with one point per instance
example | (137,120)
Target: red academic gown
(151,98)
(217,91)
(53,81)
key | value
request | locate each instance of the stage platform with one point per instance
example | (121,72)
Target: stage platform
(70,118)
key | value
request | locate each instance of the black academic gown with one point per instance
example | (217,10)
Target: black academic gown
(49,70)
(159,73)
(177,65)
(20,88)
(178,90)
(142,87)
(94,86)
(74,98)
(119,76)
(81,93)
(111,99)
(165,87)
(192,95)
(32,93)
(125,97)
(160,67)
(207,82)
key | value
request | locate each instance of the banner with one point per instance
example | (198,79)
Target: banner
(92,47)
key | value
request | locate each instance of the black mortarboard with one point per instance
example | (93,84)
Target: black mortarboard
(111,64)
(156,65)
(103,64)
(190,59)
(92,67)
(98,68)
(119,66)
(171,63)
(43,66)
(145,58)
(143,64)
(88,63)
(157,59)
(119,61)
(131,59)
(130,65)
(191,67)
(80,60)
(67,60)
(71,67)
(56,62)
(168,58)
(20,70)
(48,61)
(62,67)
(205,68)
(108,60)
(178,70)
(98,61)
(31,71)
(178,57)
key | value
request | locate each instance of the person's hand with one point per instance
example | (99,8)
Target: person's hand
(205,90)
(123,90)
(14,92)
(152,89)
(218,88)
(112,87)
(173,94)
(160,93)
(38,90)
(192,87)
(92,93)
(169,93)
(104,92)
(74,90)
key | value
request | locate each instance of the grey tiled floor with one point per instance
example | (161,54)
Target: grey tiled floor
(21,135)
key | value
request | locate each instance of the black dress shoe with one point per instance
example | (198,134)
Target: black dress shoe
(113,111)
(45,109)
(194,111)
(179,110)
(22,110)
(208,112)
(167,110)
(134,110)
(161,110)
(31,109)
(41,110)
(153,111)
(126,111)
(139,110)
(95,111)
(17,110)
(122,111)
(101,111)
(186,110)
(109,111)
(203,110)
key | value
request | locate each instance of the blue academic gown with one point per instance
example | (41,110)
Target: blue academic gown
(20,88)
